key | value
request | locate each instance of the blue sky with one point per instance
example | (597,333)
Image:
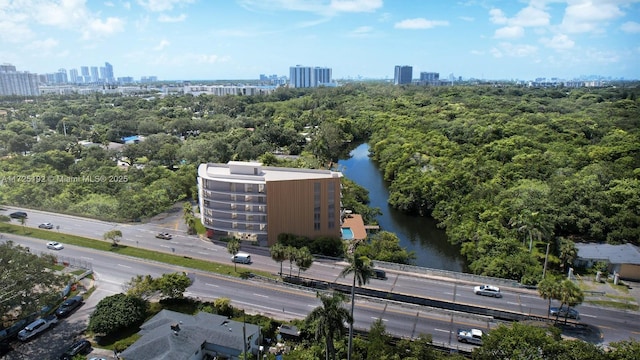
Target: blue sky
(241,39)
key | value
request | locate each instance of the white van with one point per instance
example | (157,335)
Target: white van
(242,258)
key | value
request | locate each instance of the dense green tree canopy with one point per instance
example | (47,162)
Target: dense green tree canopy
(117,312)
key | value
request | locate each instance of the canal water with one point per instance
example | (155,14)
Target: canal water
(418,234)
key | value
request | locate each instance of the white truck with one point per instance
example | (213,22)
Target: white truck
(470,336)
(36,327)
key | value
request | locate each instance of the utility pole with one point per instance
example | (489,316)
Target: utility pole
(546,257)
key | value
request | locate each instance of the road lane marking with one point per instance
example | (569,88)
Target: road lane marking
(86,258)
(442,330)
(260,295)
(587,315)
(203,253)
(377,318)
(515,303)
(125,266)
(213,285)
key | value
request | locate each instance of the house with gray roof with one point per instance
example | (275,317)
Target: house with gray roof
(172,335)
(622,259)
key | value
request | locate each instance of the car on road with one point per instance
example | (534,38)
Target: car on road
(79,347)
(470,336)
(69,305)
(46,226)
(564,311)
(18,215)
(164,236)
(487,290)
(379,274)
(36,327)
(54,245)
(242,258)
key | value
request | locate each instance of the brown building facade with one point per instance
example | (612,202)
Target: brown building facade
(256,203)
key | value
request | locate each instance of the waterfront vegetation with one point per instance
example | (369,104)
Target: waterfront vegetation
(504,169)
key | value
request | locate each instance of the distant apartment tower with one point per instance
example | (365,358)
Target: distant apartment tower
(108,73)
(305,76)
(252,202)
(403,75)
(73,76)
(13,82)
(95,76)
(429,76)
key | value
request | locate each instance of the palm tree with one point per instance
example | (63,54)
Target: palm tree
(278,254)
(329,320)
(292,254)
(233,246)
(569,294)
(304,259)
(568,252)
(548,289)
(362,271)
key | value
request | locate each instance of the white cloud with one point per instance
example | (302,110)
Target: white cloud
(606,57)
(514,50)
(45,45)
(98,28)
(321,7)
(558,42)
(355,5)
(206,58)
(630,27)
(15,32)
(172,19)
(361,31)
(419,23)
(163,5)
(163,44)
(497,16)
(530,16)
(466,18)
(589,16)
(509,32)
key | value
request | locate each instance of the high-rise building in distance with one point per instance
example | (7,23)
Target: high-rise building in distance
(94,74)
(429,76)
(14,82)
(403,75)
(306,76)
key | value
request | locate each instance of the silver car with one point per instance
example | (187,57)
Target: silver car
(487,290)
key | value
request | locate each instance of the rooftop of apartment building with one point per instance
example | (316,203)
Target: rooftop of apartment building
(247,171)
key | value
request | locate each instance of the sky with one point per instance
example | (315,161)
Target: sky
(241,39)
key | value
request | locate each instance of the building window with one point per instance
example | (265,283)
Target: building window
(316,206)
(331,207)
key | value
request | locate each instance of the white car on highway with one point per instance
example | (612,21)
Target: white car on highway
(54,245)
(487,290)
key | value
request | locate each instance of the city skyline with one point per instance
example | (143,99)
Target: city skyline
(200,40)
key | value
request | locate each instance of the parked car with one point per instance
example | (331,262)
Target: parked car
(487,290)
(69,305)
(164,236)
(79,347)
(54,245)
(18,215)
(564,311)
(37,327)
(46,226)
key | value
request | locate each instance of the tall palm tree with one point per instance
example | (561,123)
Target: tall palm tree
(278,254)
(569,294)
(329,320)
(362,271)
(304,259)
(549,289)
(233,246)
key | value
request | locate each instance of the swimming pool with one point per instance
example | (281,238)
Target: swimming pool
(347,233)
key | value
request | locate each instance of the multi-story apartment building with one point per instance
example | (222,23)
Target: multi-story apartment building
(403,75)
(14,82)
(252,202)
(305,76)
